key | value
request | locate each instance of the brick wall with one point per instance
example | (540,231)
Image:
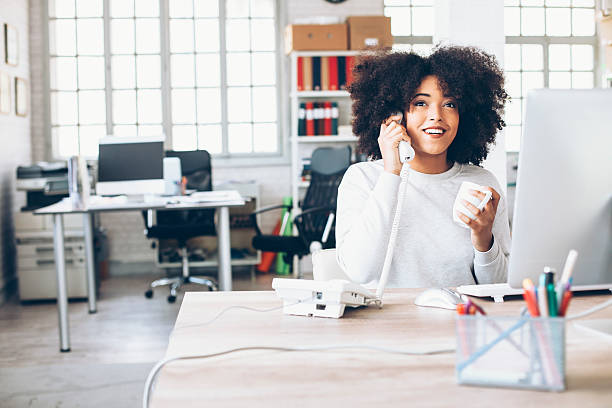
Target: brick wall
(14,139)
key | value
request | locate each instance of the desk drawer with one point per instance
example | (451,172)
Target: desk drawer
(45,250)
(38,284)
(46,263)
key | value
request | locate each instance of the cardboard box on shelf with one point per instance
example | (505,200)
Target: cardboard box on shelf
(315,37)
(369,32)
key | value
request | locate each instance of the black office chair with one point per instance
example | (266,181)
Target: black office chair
(315,223)
(185,224)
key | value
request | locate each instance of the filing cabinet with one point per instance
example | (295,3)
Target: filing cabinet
(35,257)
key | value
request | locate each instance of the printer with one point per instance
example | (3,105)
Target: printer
(44,183)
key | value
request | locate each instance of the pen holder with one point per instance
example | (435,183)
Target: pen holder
(528,352)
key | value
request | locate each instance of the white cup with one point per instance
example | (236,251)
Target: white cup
(465,195)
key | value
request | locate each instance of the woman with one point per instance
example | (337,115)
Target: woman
(452,104)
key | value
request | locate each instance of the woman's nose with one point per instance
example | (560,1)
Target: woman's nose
(433,113)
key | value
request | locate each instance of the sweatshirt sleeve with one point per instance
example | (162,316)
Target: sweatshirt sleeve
(364,219)
(492,266)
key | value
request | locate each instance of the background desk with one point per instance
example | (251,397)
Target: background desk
(353,378)
(65,207)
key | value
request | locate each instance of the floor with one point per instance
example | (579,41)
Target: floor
(112,350)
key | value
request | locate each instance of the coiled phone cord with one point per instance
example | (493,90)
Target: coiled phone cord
(384,276)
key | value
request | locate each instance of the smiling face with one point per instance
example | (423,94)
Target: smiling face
(432,119)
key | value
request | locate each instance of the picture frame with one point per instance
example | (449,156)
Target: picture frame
(5,93)
(21,97)
(11,45)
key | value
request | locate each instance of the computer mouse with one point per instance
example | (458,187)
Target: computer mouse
(439,297)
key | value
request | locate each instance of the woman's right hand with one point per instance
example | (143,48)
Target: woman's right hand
(391,134)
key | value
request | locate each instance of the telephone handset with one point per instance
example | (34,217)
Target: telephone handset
(406,152)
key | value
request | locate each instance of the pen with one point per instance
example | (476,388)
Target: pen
(550,291)
(567,295)
(568,268)
(530,297)
(542,297)
(552,300)
(461,308)
(472,308)
(565,302)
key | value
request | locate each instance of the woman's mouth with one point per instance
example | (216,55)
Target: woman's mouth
(434,132)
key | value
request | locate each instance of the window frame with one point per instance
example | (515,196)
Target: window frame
(545,41)
(224,159)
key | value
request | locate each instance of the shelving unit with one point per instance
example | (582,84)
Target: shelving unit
(302,146)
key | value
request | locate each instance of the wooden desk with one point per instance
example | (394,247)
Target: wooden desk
(361,378)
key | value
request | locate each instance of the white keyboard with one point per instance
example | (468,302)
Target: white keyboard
(321,298)
(495,290)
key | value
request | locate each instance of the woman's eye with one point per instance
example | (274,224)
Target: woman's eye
(419,103)
(450,104)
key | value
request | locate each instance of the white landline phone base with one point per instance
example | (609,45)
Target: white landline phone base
(321,298)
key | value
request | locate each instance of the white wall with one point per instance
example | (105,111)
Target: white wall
(478,23)
(14,139)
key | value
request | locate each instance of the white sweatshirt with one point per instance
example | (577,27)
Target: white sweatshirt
(431,249)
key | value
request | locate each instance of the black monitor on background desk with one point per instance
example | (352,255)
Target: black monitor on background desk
(131,166)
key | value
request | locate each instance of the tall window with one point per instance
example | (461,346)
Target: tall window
(203,71)
(412,24)
(135,62)
(238,74)
(77,80)
(549,44)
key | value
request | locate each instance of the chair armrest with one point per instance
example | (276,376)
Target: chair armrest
(272,207)
(298,221)
(298,218)
(253,215)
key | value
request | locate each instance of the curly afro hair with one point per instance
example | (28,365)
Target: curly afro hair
(385,82)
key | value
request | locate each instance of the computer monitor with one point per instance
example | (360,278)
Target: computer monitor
(564,187)
(131,166)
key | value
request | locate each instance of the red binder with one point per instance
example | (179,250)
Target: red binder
(333,73)
(349,70)
(300,74)
(310,128)
(327,118)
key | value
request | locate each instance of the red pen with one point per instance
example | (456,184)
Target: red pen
(530,297)
(565,302)
(472,308)
(461,309)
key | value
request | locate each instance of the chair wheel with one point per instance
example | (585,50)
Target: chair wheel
(171,298)
(149,294)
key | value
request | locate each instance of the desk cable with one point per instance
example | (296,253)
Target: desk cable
(159,365)
(155,370)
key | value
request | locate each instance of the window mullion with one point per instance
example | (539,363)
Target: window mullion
(50,146)
(78,89)
(164,44)
(223,63)
(546,44)
(108,87)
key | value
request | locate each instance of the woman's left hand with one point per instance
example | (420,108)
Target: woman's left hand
(482,226)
